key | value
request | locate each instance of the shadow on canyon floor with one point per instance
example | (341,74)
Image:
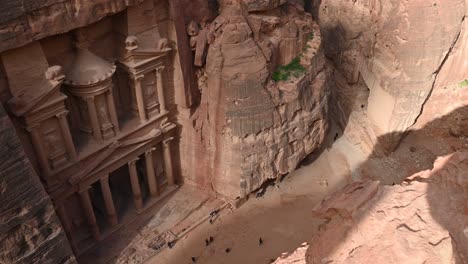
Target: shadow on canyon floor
(283,217)
(417,152)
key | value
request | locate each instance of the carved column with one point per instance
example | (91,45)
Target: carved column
(93,117)
(168,161)
(112,110)
(69,145)
(108,201)
(139,98)
(66,225)
(34,131)
(89,213)
(159,86)
(135,185)
(152,183)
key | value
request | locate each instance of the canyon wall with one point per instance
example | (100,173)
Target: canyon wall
(391,56)
(22,22)
(248,126)
(424,219)
(400,90)
(30,230)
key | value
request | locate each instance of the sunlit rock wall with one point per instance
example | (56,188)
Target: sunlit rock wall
(400,50)
(250,127)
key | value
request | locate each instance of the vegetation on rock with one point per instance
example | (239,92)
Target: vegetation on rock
(284,72)
(463,83)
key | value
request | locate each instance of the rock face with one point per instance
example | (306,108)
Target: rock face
(296,257)
(252,127)
(30,229)
(22,22)
(263,5)
(396,53)
(423,220)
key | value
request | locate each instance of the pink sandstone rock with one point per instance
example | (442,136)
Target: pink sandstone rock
(251,127)
(420,221)
(397,53)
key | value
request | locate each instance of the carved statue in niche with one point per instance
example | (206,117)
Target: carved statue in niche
(148,90)
(84,114)
(198,42)
(54,146)
(149,94)
(193,30)
(103,116)
(52,142)
(106,125)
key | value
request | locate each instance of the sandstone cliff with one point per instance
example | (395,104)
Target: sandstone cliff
(30,230)
(22,22)
(423,220)
(251,126)
(391,56)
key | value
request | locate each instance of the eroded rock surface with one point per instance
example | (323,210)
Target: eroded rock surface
(395,53)
(423,220)
(22,22)
(30,231)
(254,128)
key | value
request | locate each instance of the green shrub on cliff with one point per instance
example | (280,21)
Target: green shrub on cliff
(284,72)
(463,83)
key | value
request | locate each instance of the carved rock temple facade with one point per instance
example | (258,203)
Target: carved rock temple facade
(91,110)
(118,102)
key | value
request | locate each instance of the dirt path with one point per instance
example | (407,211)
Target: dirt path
(281,218)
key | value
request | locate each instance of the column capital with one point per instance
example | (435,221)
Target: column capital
(104,177)
(89,98)
(149,151)
(84,189)
(160,69)
(33,126)
(62,114)
(138,78)
(167,140)
(132,162)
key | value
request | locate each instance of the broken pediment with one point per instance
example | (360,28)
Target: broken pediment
(33,101)
(141,50)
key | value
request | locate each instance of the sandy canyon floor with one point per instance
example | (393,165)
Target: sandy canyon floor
(281,218)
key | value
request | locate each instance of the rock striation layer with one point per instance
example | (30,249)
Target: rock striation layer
(422,220)
(22,22)
(395,54)
(30,230)
(254,128)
